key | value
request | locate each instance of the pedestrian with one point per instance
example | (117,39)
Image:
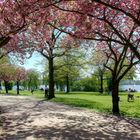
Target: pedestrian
(129,91)
(32,91)
(46,92)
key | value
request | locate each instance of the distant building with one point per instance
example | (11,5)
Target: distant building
(133,84)
(42,87)
(2,88)
(20,88)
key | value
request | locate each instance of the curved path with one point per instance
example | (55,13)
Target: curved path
(26,118)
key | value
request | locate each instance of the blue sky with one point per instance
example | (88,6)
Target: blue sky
(35,62)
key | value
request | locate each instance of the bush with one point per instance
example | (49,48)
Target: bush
(86,84)
(10,85)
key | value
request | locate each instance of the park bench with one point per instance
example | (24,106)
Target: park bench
(130,97)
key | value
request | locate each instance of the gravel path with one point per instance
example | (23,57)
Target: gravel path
(26,118)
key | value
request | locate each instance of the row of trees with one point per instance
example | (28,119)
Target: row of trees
(20,76)
(67,75)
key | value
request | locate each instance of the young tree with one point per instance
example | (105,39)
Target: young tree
(89,83)
(98,61)
(67,67)
(6,74)
(20,74)
(32,79)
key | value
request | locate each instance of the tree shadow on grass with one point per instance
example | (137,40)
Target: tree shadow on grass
(75,102)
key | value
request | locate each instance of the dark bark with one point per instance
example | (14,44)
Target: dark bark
(67,84)
(135,19)
(6,86)
(0,86)
(135,51)
(29,85)
(109,85)
(51,79)
(17,87)
(101,83)
(115,97)
(4,41)
(62,87)
(46,92)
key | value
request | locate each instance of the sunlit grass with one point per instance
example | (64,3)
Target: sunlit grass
(91,100)
(101,103)
(37,94)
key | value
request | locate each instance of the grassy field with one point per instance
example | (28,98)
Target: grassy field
(101,103)
(93,101)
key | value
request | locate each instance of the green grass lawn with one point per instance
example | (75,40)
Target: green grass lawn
(101,103)
(92,100)
(37,94)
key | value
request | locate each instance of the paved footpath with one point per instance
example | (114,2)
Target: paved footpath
(26,118)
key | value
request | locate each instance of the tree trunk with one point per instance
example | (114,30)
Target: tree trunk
(62,87)
(115,98)
(101,83)
(4,41)
(109,85)
(67,84)
(51,79)
(29,85)
(17,87)
(6,86)
(0,86)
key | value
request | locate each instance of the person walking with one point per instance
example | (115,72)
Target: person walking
(46,91)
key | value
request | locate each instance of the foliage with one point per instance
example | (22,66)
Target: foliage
(20,15)
(84,19)
(32,81)
(20,74)
(67,67)
(10,85)
(95,20)
(7,72)
(86,84)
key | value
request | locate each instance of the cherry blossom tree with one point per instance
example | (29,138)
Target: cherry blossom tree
(127,7)
(119,60)
(92,20)
(17,16)
(19,75)
(3,61)
(6,74)
(84,14)
(50,43)
(14,48)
